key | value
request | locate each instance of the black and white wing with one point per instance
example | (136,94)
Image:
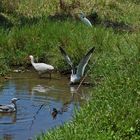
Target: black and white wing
(84,61)
(6,108)
(66,57)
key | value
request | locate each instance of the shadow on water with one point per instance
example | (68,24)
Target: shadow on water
(44,104)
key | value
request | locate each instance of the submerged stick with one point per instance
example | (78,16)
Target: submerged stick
(81,82)
(34,117)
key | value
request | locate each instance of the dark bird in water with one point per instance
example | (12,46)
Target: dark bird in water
(55,112)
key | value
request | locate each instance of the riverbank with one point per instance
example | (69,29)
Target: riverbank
(113,112)
(27,29)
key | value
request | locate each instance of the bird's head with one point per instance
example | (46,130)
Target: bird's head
(13,100)
(81,14)
(55,110)
(30,57)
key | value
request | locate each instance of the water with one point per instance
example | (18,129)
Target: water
(38,97)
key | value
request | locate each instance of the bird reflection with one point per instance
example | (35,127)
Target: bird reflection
(81,93)
(11,117)
(73,89)
(41,89)
(38,88)
(7,137)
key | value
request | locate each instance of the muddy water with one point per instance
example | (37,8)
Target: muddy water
(38,98)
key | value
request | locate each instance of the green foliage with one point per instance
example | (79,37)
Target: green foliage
(42,41)
(114,10)
(4,67)
(113,112)
(8,6)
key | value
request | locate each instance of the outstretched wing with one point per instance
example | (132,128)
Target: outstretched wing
(84,61)
(66,57)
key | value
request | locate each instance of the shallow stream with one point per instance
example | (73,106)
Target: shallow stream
(38,99)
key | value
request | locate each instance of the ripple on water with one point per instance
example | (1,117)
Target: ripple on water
(38,97)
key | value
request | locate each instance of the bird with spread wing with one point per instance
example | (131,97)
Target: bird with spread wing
(77,72)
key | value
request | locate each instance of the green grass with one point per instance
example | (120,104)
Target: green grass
(42,41)
(113,111)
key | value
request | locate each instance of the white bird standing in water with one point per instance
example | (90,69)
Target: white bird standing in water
(41,67)
(84,19)
(77,72)
(9,107)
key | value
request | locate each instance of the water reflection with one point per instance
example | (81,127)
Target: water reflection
(73,89)
(43,104)
(82,94)
(8,118)
(38,88)
(7,137)
(62,109)
(42,89)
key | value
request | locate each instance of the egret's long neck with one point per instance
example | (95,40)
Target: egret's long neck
(32,61)
(72,72)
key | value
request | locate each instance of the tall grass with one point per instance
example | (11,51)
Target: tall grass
(113,112)
(42,40)
(114,10)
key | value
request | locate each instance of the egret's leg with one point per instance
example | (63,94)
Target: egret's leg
(39,74)
(50,75)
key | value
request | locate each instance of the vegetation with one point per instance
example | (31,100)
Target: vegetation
(113,112)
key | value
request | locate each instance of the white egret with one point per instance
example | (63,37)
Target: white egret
(84,19)
(77,72)
(41,67)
